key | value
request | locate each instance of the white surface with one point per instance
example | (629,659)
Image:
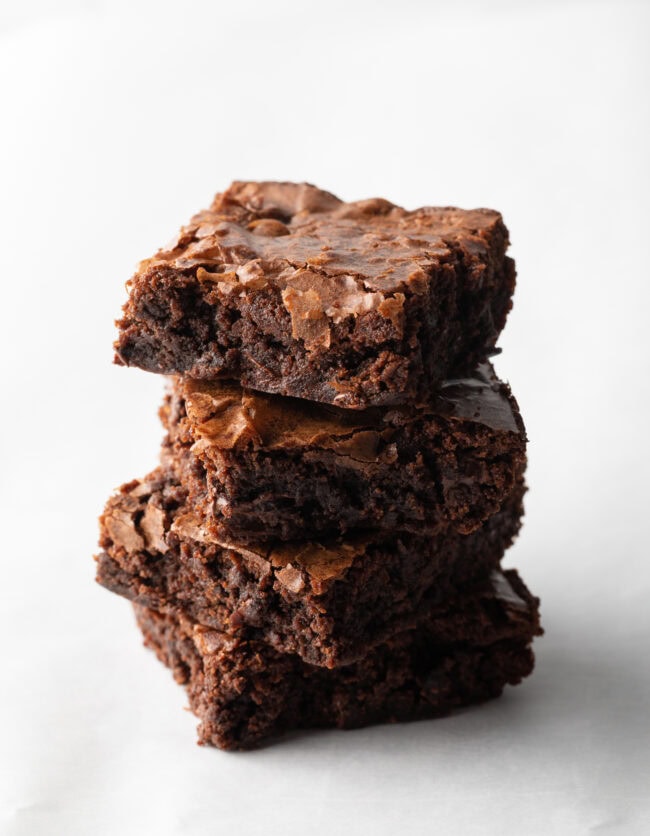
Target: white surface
(118,121)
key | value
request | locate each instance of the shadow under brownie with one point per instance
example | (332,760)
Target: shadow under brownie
(329,602)
(263,466)
(291,291)
(243,691)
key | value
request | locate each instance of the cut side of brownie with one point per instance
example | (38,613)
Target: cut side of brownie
(289,290)
(328,602)
(243,691)
(262,466)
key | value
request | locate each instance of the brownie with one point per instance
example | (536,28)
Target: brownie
(243,691)
(262,466)
(329,602)
(288,290)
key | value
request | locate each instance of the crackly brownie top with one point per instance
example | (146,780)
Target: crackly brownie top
(141,517)
(330,259)
(224,414)
(296,565)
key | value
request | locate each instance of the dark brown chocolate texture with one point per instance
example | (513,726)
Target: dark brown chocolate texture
(262,466)
(289,290)
(329,602)
(244,691)
(342,470)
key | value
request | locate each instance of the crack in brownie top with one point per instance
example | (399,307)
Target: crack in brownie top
(230,417)
(329,259)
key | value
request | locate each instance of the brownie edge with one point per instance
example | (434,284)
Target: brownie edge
(244,691)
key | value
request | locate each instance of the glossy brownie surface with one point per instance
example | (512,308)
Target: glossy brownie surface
(290,290)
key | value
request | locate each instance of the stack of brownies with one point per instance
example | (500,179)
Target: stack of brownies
(342,471)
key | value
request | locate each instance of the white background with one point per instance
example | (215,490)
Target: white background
(119,120)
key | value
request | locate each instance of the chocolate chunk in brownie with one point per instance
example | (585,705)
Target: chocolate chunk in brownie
(329,602)
(243,691)
(262,466)
(291,291)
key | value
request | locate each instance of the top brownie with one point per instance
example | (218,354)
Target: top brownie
(291,291)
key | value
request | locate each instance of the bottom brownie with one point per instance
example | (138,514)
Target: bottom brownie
(244,691)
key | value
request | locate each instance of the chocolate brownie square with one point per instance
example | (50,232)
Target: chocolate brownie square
(262,466)
(329,602)
(288,290)
(243,691)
